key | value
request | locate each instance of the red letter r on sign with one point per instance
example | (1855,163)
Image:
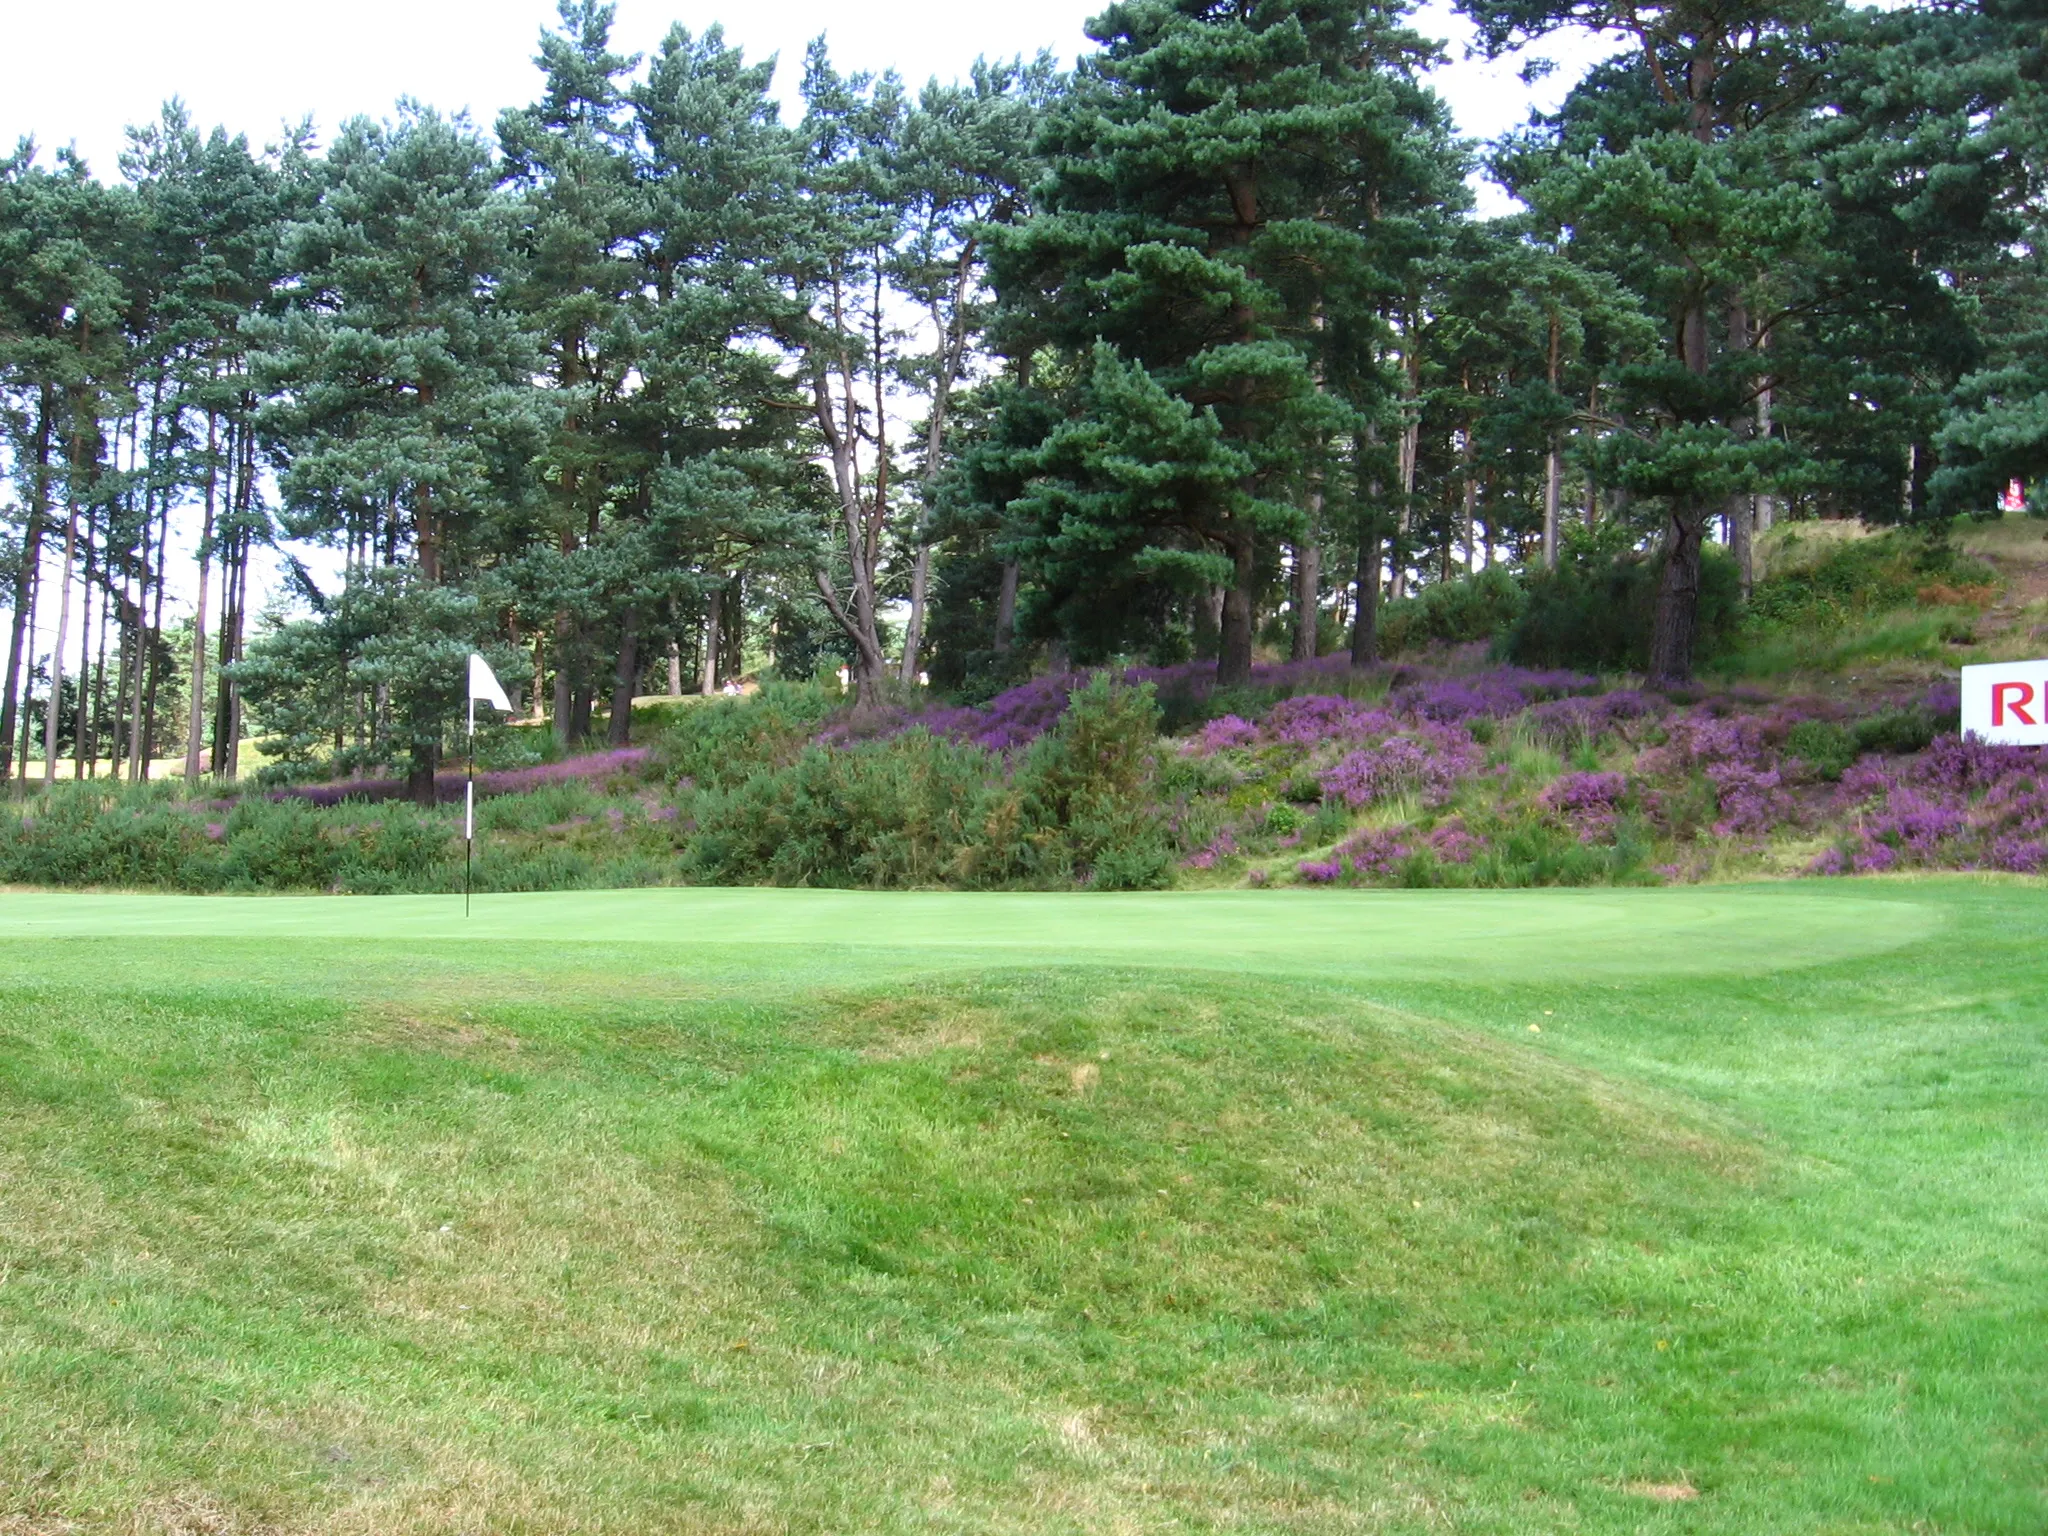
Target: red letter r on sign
(2024,696)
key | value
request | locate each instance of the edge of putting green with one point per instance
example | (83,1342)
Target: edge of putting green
(1606,931)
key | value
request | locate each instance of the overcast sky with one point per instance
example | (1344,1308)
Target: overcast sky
(78,71)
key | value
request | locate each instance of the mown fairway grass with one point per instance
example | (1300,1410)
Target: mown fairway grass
(760,1211)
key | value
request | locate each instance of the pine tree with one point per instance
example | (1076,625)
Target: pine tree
(62,367)
(1200,258)
(1683,175)
(575,284)
(400,385)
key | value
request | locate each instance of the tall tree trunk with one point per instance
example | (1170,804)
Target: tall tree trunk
(27,577)
(237,636)
(1006,609)
(223,653)
(1308,560)
(623,679)
(227,733)
(421,768)
(951,328)
(714,607)
(1766,503)
(863,516)
(1365,614)
(35,598)
(156,647)
(1234,654)
(1673,630)
(1674,633)
(1212,614)
(913,636)
(564,701)
(733,627)
(1551,471)
(1550,461)
(57,651)
(27,689)
(1593,457)
(119,736)
(195,720)
(1365,577)
(1468,505)
(1741,508)
(1411,451)
(1308,590)
(92,677)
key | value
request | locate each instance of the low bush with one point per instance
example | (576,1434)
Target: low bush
(1504,776)
(1857,578)
(1594,611)
(889,813)
(1468,609)
(1899,732)
(720,743)
(915,809)
(1827,749)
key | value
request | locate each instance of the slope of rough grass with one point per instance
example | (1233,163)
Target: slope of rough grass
(739,1211)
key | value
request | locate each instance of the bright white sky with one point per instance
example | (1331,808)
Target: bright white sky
(78,72)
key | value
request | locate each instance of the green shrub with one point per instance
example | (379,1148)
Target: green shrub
(1898,732)
(1826,748)
(1862,577)
(1470,608)
(404,849)
(88,834)
(1533,853)
(720,743)
(1082,804)
(548,806)
(1594,613)
(288,845)
(884,814)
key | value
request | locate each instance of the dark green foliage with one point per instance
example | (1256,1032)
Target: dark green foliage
(1898,732)
(1827,749)
(718,745)
(1536,853)
(917,810)
(888,814)
(1863,577)
(73,836)
(1471,608)
(1595,613)
(1091,779)
(1234,192)
(558,838)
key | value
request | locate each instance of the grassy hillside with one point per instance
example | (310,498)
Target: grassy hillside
(1689,1210)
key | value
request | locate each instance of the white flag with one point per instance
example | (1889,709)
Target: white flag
(483,685)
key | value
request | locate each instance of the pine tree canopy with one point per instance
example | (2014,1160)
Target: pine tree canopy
(1200,349)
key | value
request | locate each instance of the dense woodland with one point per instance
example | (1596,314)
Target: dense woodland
(1199,352)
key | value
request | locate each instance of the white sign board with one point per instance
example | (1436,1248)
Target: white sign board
(2007,703)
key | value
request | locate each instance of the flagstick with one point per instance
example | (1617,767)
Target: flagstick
(469,805)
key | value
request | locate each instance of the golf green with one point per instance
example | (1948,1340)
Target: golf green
(1449,934)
